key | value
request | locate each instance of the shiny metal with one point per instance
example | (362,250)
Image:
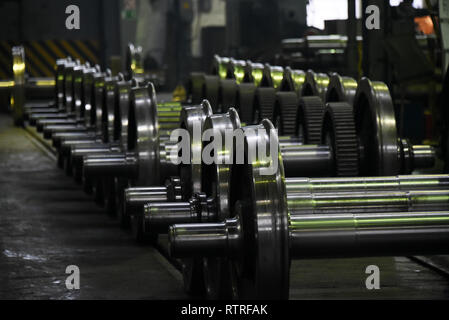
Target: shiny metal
(120,164)
(73,141)
(98,148)
(192,119)
(363,184)
(374,194)
(285,141)
(63,120)
(92,116)
(148,124)
(144,157)
(121,117)
(315,84)
(167,163)
(272,76)
(72,81)
(137,197)
(253,72)
(57,107)
(159,216)
(134,61)
(376,128)
(236,70)
(220,66)
(277,220)
(265,260)
(415,156)
(84,102)
(216,175)
(222,239)
(59,137)
(113,123)
(49,130)
(77,84)
(215,181)
(293,80)
(199,208)
(91,141)
(18,92)
(341,89)
(307,160)
(59,79)
(66,146)
(48,113)
(99,82)
(325,236)
(194,87)
(369,234)
(68,86)
(109,107)
(145,141)
(89,97)
(370,202)
(213,178)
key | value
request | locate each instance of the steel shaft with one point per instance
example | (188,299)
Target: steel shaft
(116,164)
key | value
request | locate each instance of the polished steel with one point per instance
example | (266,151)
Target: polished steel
(272,222)
(307,160)
(236,70)
(293,80)
(254,72)
(376,129)
(315,84)
(341,89)
(272,76)
(220,66)
(102,165)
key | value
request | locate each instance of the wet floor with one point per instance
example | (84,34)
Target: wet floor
(47,223)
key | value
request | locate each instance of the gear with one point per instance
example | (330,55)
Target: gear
(227,94)
(285,112)
(340,134)
(211,88)
(264,103)
(245,101)
(195,87)
(310,119)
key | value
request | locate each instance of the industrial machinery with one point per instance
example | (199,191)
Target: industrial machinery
(271,222)
(339,181)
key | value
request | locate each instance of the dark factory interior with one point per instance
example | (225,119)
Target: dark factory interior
(218,150)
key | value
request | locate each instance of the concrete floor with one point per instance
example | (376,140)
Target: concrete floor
(48,223)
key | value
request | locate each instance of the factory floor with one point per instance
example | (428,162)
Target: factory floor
(48,223)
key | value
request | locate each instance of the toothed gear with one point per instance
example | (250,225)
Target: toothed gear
(227,94)
(245,101)
(286,112)
(340,134)
(265,101)
(310,119)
